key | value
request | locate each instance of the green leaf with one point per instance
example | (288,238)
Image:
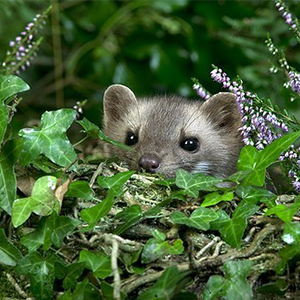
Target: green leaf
(215,198)
(278,287)
(73,273)
(94,132)
(284,212)
(158,247)
(115,182)
(9,254)
(167,286)
(3,120)
(234,286)
(215,287)
(129,216)
(193,183)
(254,194)
(80,189)
(42,201)
(199,219)
(291,233)
(86,291)
(248,158)
(257,162)
(271,153)
(238,288)
(41,271)
(99,263)
(11,85)
(108,291)
(50,138)
(93,214)
(8,183)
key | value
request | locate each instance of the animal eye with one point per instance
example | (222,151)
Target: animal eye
(190,144)
(131,138)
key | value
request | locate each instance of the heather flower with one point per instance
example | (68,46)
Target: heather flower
(200,90)
(294,82)
(259,124)
(23,48)
(288,17)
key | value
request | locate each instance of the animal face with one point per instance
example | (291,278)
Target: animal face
(169,133)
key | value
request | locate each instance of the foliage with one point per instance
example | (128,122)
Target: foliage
(74,229)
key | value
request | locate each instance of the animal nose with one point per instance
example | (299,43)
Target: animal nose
(149,162)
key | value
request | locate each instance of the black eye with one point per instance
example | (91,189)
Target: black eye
(131,138)
(190,144)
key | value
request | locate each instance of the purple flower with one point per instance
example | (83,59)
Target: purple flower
(201,92)
(294,81)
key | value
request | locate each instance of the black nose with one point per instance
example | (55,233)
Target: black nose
(149,162)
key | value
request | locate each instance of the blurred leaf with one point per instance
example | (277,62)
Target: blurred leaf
(234,286)
(284,212)
(73,272)
(291,233)
(50,138)
(41,271)
(99,263)
(8,184)
(11,85)
(3,120)
(169,284)
(129,216)
(94,132)
(9,254)
(158,247)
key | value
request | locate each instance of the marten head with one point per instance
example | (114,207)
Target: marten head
(172,132)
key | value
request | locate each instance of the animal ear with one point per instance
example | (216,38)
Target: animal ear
(117,101)
(222,111)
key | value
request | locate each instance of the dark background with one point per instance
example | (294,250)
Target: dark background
(151,46)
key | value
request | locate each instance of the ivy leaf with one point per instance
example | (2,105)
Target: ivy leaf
(99,263)
(11,85)
(158,247)
(80,189)
(8,183)
(234,286)
(9,254)
(193,183)
(168,285)
(257,162)
(291,233)
(199,219)
(254,194)
(50,138)
(215,198)
(271,153)
(50,230)
(114,183)
(42,201)
(284,212)
(95,132)
(73,272)
(3,120)
(41,271)
(93,214)
(232,230)
(129,216)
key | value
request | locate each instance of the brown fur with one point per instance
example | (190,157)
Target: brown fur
(161,123)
